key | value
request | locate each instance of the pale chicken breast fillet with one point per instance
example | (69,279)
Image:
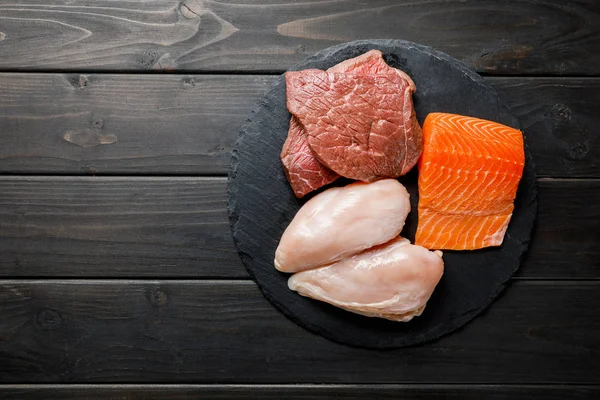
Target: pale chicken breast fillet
(392,281)
(341,222)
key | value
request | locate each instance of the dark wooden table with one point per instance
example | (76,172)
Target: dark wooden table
(118,275)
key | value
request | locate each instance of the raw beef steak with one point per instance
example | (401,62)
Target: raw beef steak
(361,126)
(304,171)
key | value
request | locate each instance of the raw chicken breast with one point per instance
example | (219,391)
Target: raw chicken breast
(341,222)
(392,281)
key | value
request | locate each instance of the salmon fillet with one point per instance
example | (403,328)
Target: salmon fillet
(468,178)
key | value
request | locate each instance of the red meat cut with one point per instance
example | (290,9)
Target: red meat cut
(304,172)
(358,116)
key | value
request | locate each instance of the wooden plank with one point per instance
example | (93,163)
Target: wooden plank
(90,124)
(559,117)
(177,124)
(510,37)
(178,227)
(86,331)
(315,392)
(565,244)
(69,226)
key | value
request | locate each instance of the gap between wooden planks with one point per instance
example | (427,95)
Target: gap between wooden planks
(297,391)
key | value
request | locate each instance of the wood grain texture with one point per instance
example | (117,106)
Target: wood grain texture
(178,227)
(73,124)
(85,331)
(562,241)
(314,392)
(518,36)
(541,339)
(559,117)
(115,227)
(177,124)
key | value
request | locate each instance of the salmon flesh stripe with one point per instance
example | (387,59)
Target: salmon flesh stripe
(468,178)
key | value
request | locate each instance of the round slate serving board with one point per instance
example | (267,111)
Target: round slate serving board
(261,204)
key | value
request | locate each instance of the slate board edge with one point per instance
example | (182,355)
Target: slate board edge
(234,215)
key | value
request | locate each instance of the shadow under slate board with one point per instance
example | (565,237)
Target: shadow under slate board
(261,204)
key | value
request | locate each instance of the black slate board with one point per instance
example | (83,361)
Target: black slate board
(261,204)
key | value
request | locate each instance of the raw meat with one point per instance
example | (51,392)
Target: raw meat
(468,179)
(393,281)
(341,222)
(360,125)
(304,172)
(369,63)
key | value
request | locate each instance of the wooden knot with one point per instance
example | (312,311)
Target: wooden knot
(79,81)
(90,137)
(157,297)
(560,113)
(48,320)
(578,150)
(189,81)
